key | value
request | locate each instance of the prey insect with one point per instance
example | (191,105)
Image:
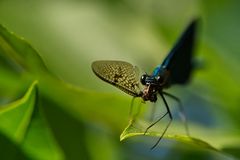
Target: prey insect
(176,68)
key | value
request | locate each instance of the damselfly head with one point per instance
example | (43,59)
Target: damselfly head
(159,80)
(152,80)
(150,83)
(149,93)
(143,79)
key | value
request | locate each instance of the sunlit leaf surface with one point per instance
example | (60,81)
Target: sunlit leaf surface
(23,123)
(133,129)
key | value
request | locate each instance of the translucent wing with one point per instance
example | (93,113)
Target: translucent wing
(179,60)
(120,74)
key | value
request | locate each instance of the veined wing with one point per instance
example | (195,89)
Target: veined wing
(118,73)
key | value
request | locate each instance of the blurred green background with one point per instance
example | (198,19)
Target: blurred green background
(70,34)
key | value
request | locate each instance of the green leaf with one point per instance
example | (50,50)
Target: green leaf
(39,141)
(15,117)
(23,123)
(17,54)
(134,128)
(69,132)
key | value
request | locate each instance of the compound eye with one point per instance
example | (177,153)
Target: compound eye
(159,80)
(143,79)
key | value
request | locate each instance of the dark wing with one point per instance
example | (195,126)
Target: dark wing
(179,60)
(118,73)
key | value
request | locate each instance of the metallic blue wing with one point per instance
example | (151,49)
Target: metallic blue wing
(179,60)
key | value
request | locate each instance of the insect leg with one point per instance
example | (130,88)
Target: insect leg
(182,111)
(170,116)
(155,123)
